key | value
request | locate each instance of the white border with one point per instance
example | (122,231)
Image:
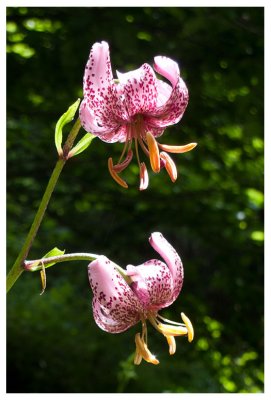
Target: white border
(141,3)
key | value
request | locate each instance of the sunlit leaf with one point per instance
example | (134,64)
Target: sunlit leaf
(52,253)
(82,144)
(64,120)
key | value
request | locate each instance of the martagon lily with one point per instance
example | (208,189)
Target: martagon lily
(135,108)
(122,298)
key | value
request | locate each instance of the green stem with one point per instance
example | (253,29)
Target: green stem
(36,265)
(17,268)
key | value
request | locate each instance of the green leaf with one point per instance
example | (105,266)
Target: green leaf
(64,120)
(82,144)
(52,253)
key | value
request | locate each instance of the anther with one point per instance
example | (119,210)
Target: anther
(172,344)
(114,175)
(143,351)
(169,165)
(189,327)
(144,177)
(177,149)
(154,152)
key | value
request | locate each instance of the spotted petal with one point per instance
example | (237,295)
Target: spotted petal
(100,93)
(153,284)
(173,109)
(172,259)
(115,306)
(140,89)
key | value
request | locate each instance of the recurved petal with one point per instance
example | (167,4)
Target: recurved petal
(167,68)
(172,259)
(163,92)
(115,306)
(173,109)
(139,88)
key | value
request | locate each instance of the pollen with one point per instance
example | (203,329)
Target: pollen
(172,344)
(169,165)
(154,152)
(144,177)
(177,149)
(172,330)
(142,351)
(189,327)
(114,174)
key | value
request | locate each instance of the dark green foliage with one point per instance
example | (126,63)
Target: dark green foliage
(213,214)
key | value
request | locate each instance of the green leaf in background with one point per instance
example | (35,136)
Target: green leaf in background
(64,120)
(82,144)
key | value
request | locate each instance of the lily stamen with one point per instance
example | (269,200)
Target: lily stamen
(137,357)
(189,327)
(158,316)
(154,152)
(174,329)
(169,165)
(143,351)
(177,149)
(128,143)
(172,344)
(143,147)
(114,175)
(144,177)
(122,165)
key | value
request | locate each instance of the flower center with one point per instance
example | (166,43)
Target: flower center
(136,133)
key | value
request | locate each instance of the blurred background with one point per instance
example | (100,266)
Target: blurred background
(212,215)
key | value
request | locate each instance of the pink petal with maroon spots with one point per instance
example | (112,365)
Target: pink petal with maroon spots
(139,89)
(173,109)
(90,123)
(110,133)
(164,91)
(155,131)
(100,90)
(115,306)
(172,259)
(167,68)
(153,284)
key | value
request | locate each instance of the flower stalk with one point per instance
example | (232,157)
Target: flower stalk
(37,265)
(17,268)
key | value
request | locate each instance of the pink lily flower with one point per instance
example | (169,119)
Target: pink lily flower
(122,298)
(137,107)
